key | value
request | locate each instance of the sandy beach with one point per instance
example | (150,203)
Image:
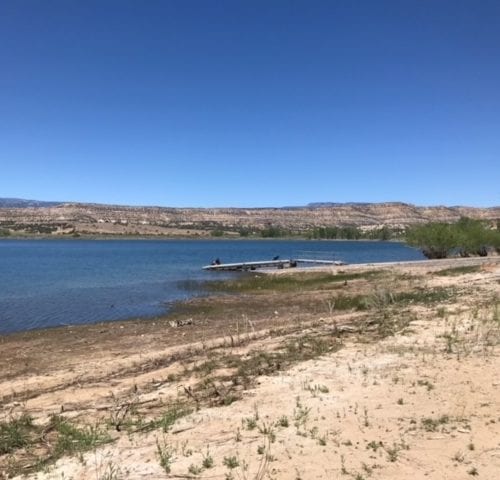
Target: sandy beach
(362,371)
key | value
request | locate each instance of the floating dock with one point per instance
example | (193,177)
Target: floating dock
(288,263)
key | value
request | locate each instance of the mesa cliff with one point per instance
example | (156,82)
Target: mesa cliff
(97,219)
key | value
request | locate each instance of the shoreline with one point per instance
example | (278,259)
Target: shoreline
(178,305)
(374,369)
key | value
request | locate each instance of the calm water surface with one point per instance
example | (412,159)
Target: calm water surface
(45,283)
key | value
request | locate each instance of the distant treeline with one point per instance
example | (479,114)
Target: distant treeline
(466,237)
(319,233)
(353,233)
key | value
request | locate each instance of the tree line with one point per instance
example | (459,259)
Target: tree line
(465,238)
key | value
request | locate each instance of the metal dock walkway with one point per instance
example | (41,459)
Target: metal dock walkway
(288,263)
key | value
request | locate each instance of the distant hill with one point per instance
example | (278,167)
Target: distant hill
(19,217)
(22,203)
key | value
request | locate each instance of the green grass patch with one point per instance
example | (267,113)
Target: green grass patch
(33,447)
(261,362)
(16,433)
(255,283)
(424,296)
(164,421)
(72,439)
(456,271)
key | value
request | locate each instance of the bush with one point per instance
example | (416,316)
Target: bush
(436,240)
(466,237)
(217,232)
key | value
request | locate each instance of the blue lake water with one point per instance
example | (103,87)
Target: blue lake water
(45,283)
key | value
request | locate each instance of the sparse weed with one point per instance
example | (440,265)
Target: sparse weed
(250,423)
(283,421)
(426,383)
(166,454)
(194,469)
(374,445)
(432,424)
(393,452)
(208,461)
(231,462)
(72,439)
(343,469)
(301,414)
(111,472)
(16,433)
(455,271)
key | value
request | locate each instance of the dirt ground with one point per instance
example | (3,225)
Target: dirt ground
(384,375)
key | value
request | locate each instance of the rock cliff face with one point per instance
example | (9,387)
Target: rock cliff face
(111,219)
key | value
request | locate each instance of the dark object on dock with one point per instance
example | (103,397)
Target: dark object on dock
(277,257)
(216,261)
(244,266)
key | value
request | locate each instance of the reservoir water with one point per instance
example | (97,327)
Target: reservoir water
(46,283)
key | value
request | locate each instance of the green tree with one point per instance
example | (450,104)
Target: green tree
(436,240)
(473,237)
(273,232)
(466,237)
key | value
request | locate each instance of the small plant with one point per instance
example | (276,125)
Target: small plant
(432,424)
(208,461)
(165,422)
(374,445)
(392,453)
(366,422)
(14,434)
(367,468)
(425,383)
(268,431)
(111,472)
(261,449)
(250,423)
(165,453)
(343,470)
(300,414)
(471,446)
(186,452)
(72,439)
(400,401)
(316,389)
(283,421)
(473,471)
(231,462)
(194,469)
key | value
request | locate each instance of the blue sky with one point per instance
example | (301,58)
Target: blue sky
(250,103)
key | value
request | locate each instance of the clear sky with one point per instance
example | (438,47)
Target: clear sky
(250,103)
